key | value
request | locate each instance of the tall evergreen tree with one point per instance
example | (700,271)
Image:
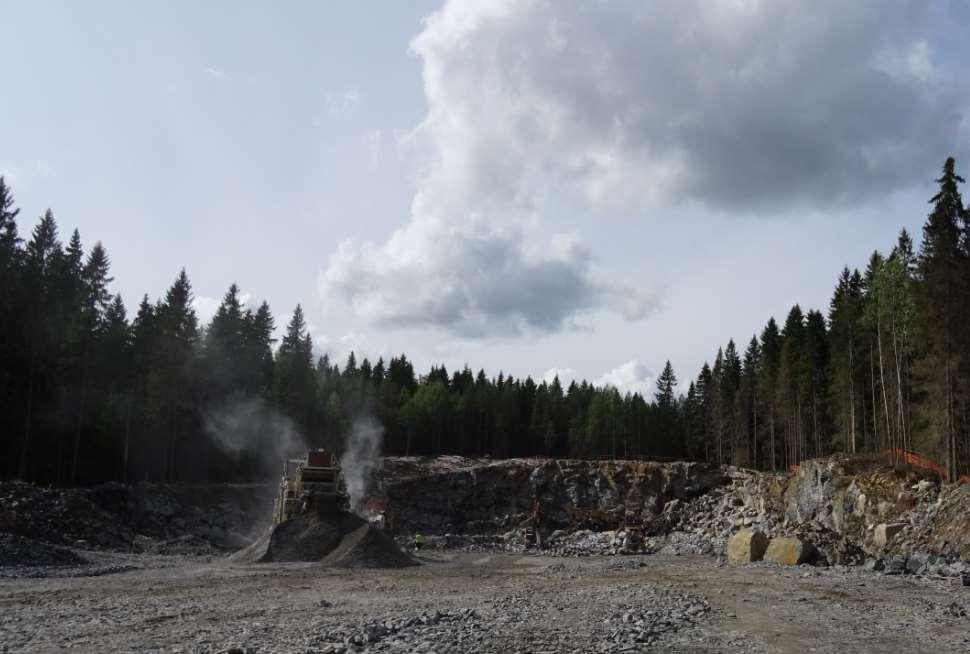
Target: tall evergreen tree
(942,269)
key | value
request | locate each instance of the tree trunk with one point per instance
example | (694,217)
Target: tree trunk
(872,386)
(890,436)
(23,466)
(79,426)
(124,459)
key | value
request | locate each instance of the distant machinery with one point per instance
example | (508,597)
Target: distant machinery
(313,482)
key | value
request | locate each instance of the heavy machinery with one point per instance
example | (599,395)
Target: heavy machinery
(311,482)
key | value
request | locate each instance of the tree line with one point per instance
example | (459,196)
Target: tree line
(90,394)
(886,370)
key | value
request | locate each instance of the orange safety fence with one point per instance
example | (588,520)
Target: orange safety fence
(913,459)
(917,461)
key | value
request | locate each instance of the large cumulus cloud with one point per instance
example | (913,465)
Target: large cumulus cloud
(739,105)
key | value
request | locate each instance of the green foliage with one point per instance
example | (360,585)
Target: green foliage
(89,396)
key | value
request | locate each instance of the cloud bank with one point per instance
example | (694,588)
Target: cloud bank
(732,104)
(630,377)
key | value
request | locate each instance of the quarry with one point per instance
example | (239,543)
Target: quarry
(522,555)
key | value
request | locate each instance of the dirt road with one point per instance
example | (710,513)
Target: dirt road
(462,602)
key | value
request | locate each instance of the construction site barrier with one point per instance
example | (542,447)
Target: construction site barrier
(912,459)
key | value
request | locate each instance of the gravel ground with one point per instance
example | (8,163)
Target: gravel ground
(463,602)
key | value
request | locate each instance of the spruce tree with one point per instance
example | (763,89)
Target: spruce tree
(942,270)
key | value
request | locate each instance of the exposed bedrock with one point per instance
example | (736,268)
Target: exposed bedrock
(848,510)
(481,496)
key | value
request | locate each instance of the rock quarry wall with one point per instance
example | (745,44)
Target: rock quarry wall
(836,504)
(851,510)
(457,495)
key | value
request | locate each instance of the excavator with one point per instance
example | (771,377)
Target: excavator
(313,482)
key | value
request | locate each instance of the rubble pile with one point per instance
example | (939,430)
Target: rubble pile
(19,551)
(634,627)
(149,518)
(326,535)
(840,510)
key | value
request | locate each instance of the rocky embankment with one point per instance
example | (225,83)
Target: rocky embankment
(849,511)
(48,526)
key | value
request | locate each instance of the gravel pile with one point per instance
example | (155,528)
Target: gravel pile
(331,537)
(634,627)
(17,551)
(150,518)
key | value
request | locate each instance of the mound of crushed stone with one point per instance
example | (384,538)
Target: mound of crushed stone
(17,551)
(334,538)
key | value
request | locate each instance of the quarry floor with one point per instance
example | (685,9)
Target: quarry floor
(522,603)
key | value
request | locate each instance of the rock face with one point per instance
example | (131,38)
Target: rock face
(851,497)
(884,533)
(788,551)
(477,496)
(747,546)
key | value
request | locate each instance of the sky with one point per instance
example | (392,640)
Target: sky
(538,187)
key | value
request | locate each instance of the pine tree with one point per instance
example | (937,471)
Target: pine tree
(225,348)
(844,342)
(666,384)
(815,365)
(791,385)
(768,385)
(11,348)
(91,311)
(42,261)
(748,400)
(942,269)
(175,371)
(295,377)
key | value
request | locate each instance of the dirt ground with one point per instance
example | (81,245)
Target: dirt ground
(464,602)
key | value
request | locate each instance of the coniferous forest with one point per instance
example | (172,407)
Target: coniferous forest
(93,390)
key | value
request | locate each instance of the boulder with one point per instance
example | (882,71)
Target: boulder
(884,533)
(788,551)
(747,545)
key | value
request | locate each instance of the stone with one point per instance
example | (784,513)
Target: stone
(874,565)
(746,546)
(788,551)
(883,533)
(896,565)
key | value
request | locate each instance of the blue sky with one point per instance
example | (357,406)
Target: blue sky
(526,186)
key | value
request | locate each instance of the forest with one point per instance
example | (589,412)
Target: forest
(90,394)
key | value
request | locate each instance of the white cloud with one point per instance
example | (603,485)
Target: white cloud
(630,377)
(566,375)
(742,106)
(339,348)
(472,279)
(725,102)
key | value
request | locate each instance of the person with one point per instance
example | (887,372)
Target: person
(418,542)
